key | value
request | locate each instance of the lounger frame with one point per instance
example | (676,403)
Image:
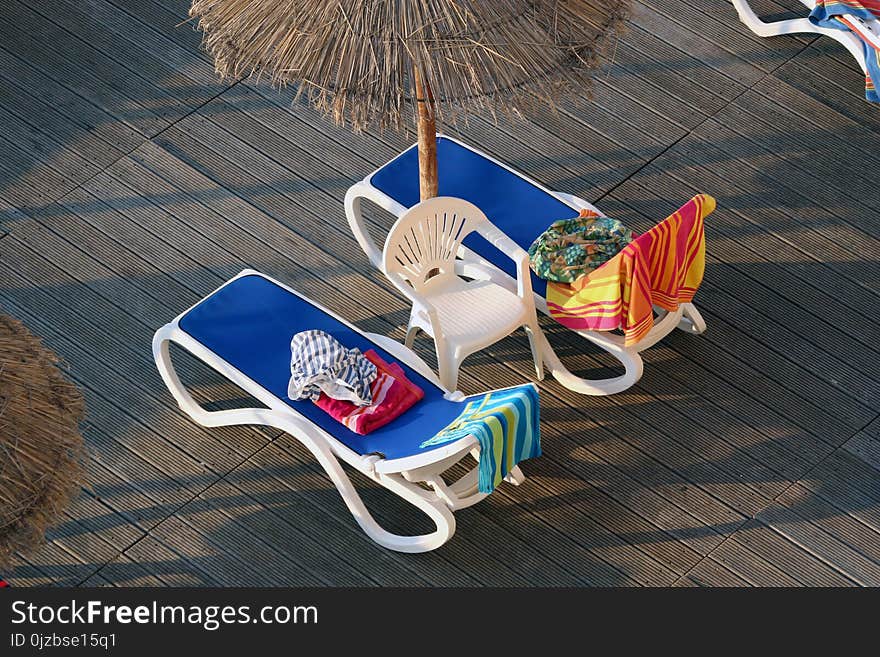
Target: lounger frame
(870,30)
(400,476)
(686,317)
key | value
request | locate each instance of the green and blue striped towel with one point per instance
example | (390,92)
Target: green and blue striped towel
(507,425)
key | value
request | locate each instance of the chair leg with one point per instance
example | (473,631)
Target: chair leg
(447,368)
(536,351)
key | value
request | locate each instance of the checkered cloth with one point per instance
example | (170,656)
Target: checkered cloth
(320,363)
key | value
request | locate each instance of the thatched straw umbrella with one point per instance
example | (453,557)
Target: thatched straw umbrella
(364,61)
(41,449)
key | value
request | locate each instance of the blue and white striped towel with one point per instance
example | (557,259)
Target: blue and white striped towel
(320,363)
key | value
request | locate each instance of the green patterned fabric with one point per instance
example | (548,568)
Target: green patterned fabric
(572,247)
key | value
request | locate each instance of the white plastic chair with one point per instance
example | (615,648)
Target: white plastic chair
(462,315)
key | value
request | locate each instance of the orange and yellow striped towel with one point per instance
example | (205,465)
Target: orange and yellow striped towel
(662,267)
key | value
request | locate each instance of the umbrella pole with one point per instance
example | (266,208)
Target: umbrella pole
(427,127)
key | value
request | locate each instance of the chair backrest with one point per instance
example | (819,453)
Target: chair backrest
(424,241)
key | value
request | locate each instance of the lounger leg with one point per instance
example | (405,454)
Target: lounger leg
(428,503)
(692,321)
(515,476)
(411,332)
(629,358)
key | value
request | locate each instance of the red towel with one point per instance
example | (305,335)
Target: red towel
(393,394)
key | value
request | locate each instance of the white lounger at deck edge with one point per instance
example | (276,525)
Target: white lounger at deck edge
(397,475)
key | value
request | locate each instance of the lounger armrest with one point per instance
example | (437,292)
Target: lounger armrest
(869,30)
(515,252)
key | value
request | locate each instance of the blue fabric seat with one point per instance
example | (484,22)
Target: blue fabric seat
(249,324)
(516,206)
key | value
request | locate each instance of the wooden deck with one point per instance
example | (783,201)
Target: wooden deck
(132,183)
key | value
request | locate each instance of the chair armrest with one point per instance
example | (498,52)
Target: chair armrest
(515,252)
(482,272)
(418,301)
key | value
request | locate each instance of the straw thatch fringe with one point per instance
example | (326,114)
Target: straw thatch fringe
(41,448)
(353,59)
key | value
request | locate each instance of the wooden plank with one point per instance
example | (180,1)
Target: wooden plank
(139,439)
(813,228)
(80,349)
(124,571)
(650,97)
(130,45)
(241,525)
(296,492)
(840,88)
(814,161)
(21,79)
(137,37)
(866,445)
(574,167)
(858,386)
(163,563)
(651,60)
(787,556)
(22,573)
(849,484)
(831,49)
(837,521)
(710,572)
(218,555)
(158,86)
(749,566)
(24,182)
(800,530)
(723,47)
(55,130)
(125,95)
(35,160)
(783,106)
(125,405)
(169,19)
(118,346)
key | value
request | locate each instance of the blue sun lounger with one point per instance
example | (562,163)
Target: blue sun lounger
(243,331)
(520,207)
